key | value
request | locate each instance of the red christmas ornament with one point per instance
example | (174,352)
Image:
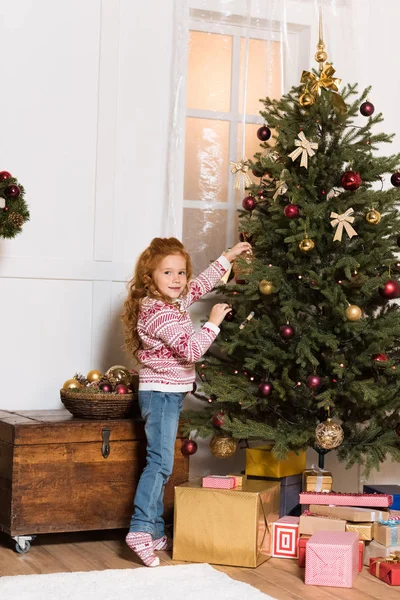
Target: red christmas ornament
(367,109)
(265,388)
(390,290)
(121,388)
(380,357)
(230,315)
(105,387)
(313,382)
(286,331)
(395,179)
(249,203)
(264,133)
(5,175)
(218,419)
(189,447)
(351,181)
(291,211)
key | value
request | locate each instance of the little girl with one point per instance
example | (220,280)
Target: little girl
(160,334)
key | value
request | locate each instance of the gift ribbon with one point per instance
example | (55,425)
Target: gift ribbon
(313,85)
(240,169)
(394,558)
(305,149)
(394,529)
(319,477)
(281,188)
(343,221)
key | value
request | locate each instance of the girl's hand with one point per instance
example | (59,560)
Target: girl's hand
(218,313)
(240,248)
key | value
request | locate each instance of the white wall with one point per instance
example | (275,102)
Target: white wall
(85,106)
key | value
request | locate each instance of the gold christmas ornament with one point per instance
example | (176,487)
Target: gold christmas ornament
(320,56)
(266,287)
(94,375)
(353,312)
(71,384)
(328,435)
(120,374)
(223,447)
(306,99)
(373,217)
(306,245)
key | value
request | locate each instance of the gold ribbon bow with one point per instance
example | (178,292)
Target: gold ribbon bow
(281,187)
(305,149)
(341,221)
(240,168)
(313,85)
(394,557)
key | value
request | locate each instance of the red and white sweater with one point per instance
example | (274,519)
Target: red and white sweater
(170,345)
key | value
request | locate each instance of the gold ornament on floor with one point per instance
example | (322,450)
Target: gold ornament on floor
(71,384)
(94,375)
(119,374)
(373,217)
(328,435)
(239,169)
(343,221)
(266,287)
(223,447)
(306,245)
(16,219)
(305,149)
(353,312)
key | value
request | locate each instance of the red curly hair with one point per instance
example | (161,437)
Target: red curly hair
(142,285)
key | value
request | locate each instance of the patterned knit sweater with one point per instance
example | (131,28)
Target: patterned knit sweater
(169,343)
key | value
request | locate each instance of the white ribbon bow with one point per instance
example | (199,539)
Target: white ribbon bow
(341,221)
(319,477)
(305,149)
(2,202)
(240,169)
(281,187)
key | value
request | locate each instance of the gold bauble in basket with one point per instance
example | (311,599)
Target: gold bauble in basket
(94,375)
(120,374)
(71,384)
(329,435)
(223,447)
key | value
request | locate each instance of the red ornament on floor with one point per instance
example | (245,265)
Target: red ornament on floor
(351,181)
(390,290)
(189,447)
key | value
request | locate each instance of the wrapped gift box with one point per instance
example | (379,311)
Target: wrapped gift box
(337,499)
(332,558)
(350,513)
(225,527)
(239,478)
(285,537)
(387,533)
(387,569)
(311,523)
(262,463)
(392,490)
(290,490)
(317,480)
(364,530)
(222,482)
(374,550)
(302,552)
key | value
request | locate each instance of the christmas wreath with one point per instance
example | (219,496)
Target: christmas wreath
(13,208)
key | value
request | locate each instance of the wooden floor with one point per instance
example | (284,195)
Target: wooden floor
(90,551)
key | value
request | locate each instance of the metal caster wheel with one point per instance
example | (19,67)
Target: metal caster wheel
(22,549)
(22,543)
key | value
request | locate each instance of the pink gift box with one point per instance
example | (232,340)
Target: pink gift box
(338,499)
(332,558)
(223,482)
(285,536)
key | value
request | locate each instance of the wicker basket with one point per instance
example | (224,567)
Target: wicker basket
(97,405)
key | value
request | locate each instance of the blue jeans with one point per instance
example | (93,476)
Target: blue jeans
(160,411)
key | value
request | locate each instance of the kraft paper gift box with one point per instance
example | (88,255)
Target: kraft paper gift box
(332,558)
(386,568)
(364,530)
(387,533)
(317,480)
(391,489)
(374,550)
(225,527)
(302,552)
(285,537)
(310,524)
(350,513)
(262,463)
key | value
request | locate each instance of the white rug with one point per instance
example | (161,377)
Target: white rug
(181,582)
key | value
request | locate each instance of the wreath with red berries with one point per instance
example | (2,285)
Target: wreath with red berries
(13,208)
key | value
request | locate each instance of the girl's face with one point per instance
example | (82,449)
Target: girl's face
(170,276)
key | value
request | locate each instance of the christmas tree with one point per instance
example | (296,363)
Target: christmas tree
(314,332)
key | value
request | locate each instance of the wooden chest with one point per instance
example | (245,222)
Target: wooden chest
(59,473)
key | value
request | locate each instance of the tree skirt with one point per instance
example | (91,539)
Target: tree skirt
(181,582)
